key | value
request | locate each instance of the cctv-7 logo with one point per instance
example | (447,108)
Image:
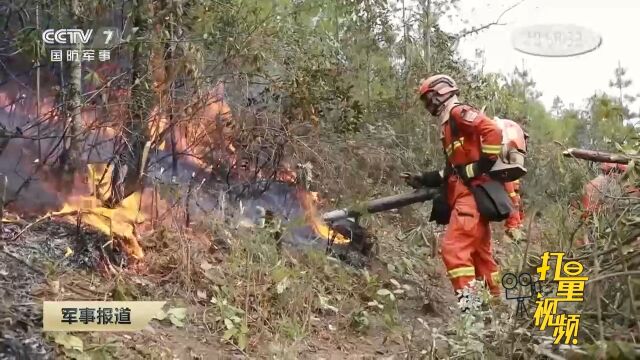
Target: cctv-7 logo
(109,34)
(106,37)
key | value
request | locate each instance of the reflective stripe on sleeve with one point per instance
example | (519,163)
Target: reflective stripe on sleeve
(456,144)
(491,149)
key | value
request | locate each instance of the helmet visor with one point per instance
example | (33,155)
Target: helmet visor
(431,102)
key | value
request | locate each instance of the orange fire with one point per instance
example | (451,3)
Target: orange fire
(308,200)
(206,125)
(120,221)
(287,176)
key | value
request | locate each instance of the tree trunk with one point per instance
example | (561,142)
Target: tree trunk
(406,68)
(597,156)
(69,157)
(426,32)
(76,114)
(337,20)
(427,39)
(133,153)
(368,52)
(38,84)
(170,96)
(619,80)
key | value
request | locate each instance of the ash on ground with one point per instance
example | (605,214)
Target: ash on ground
(25,261)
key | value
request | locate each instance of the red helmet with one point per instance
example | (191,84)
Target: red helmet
(436,90)
(441,84)
(612,167)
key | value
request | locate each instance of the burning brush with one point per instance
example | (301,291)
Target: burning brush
(84,203)
(345,221)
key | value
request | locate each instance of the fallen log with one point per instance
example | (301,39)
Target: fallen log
(382,204)
(597,156)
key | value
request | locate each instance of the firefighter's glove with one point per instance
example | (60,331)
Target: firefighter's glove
(411,180)
(427,179)
(475,169)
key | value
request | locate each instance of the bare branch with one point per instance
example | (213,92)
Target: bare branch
(476,30)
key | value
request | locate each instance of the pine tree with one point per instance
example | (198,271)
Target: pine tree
(620,83)
(557,108)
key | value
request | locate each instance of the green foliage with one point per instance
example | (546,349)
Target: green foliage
(233,318)
(30,42)
(360,320)
(612,350)
(606,120)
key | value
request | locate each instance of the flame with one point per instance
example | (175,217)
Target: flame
(100,180)
(315,197)
(207,126)
(287,175)
(307,200)
(120,221)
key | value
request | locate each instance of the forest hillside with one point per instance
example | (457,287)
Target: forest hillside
(191,162)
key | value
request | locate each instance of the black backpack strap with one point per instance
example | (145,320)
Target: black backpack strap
(455,132)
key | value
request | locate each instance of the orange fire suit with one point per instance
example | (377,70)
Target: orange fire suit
(594,196)
(466,247)
(516,217)
(593,193)
(592,200)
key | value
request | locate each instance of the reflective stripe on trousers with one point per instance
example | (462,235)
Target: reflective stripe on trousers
(461,271)
(496,278)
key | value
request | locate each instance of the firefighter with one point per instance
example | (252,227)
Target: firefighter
(513,225)
(594,191)
(466,247)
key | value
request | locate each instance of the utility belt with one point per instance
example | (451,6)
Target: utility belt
(492,201)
